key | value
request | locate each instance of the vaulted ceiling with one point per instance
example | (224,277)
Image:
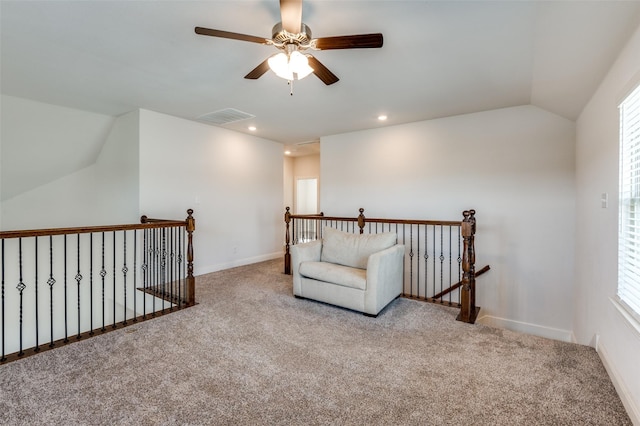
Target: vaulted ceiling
(440,58)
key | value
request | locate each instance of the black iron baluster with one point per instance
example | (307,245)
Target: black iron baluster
(21,286)
(411,260)
(114,326)
(305,230)
(170,283)
(434,259)
(177,264)
(418,263)
(66,330)
(172,232)
(293,232)
(154,270)
(37,348)
(2,357)
(163,265)
(181,281)
(145,271)
(135,275)
(51,281)
(151,271)
(91,284)
(124,274)
(103,274)
(426,261)
(450,265)
(78,279)
(404,260)
(441,259)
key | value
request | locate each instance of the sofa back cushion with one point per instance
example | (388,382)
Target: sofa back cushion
(353,250)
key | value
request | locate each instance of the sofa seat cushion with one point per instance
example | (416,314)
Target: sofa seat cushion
(353,250)
(335,274)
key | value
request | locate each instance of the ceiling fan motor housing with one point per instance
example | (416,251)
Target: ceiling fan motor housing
(282,37)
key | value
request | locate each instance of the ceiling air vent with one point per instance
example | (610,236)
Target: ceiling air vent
(224,116)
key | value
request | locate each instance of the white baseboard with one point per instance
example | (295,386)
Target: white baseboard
(629,404)
(237,262)
(528,328)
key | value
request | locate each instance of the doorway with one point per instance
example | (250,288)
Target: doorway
(306,195)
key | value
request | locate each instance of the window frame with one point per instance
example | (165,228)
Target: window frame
(628,282)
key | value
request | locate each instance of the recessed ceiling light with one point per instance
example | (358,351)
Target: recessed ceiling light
(252,128)
(382,117)
(287,153)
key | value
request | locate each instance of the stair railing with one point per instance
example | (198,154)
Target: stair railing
(439,255)
(67,284)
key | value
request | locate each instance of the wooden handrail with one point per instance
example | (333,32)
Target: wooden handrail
(89,229)
(459,284)
(377,220)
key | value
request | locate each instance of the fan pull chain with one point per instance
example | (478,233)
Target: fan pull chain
(290,83)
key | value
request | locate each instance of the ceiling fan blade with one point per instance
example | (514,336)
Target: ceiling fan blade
(321,71)
(258,71)
(291,15)
(228,34)
(359,41)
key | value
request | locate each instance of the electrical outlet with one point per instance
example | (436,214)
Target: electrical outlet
(604,200)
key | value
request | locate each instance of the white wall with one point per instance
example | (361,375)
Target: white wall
(596,247)
(307,166)
(515,166)
(287,184)
(43,142)
(232,181)
(104,192)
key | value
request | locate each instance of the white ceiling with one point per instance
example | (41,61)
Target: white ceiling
(440,58)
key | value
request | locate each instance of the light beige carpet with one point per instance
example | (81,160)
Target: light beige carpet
(251,354)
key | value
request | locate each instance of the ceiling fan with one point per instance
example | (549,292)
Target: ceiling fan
(292,37)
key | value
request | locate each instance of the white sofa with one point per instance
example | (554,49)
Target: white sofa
(359,272)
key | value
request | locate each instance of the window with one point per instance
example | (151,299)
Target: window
(629,225)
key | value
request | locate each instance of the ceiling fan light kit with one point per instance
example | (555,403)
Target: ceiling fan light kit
(291,65)
(293,37)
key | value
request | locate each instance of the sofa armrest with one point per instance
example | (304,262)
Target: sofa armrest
(385,273)
(306,252)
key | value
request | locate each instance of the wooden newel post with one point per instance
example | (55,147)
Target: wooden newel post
(191,280)
(287,240)
(468,310)
(361,220)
